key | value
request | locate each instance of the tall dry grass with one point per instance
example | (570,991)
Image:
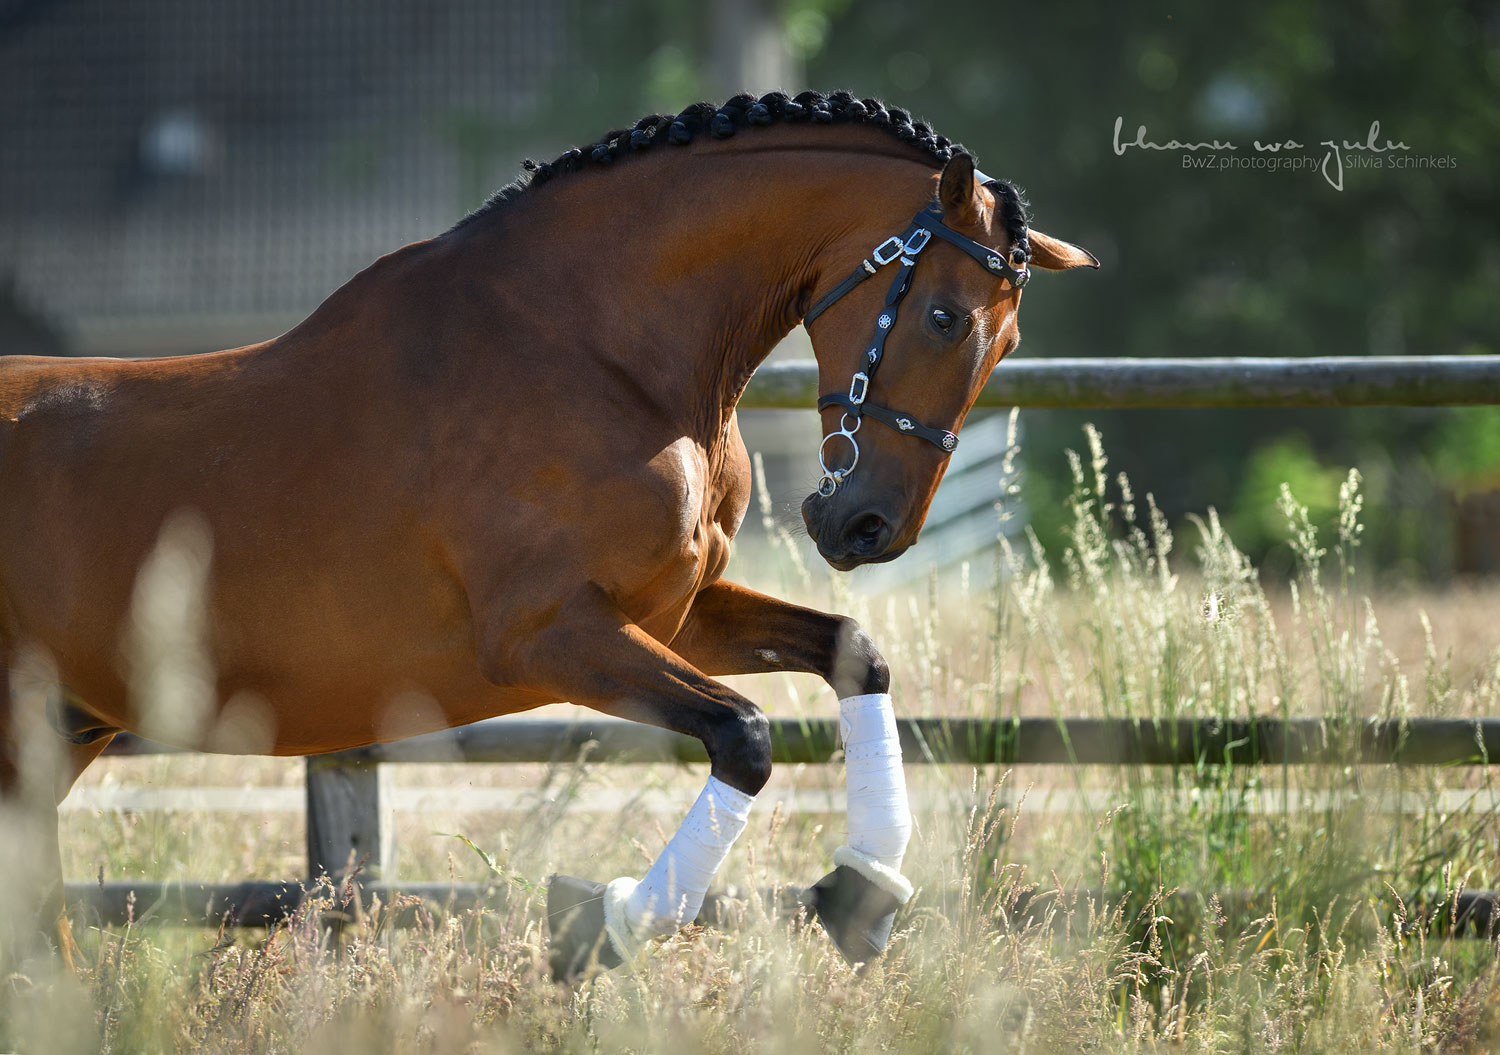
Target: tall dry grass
(1206,908)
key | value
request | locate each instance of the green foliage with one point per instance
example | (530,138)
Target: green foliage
(1289,460)
(1196,262)
(1238,262)
(1213,847)
(1464,449)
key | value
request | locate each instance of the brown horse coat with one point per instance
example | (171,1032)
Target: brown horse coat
(501,468)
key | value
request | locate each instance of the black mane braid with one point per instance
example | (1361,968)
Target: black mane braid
(746,111)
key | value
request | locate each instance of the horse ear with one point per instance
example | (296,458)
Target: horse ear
(956,191)
(1053,254)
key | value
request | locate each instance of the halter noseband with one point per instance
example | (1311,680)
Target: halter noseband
(904,247)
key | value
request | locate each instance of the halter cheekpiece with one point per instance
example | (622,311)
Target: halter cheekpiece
(905,248)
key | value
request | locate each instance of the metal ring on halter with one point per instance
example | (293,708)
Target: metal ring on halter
(831,478)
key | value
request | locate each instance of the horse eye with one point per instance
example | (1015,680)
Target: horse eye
(943,320)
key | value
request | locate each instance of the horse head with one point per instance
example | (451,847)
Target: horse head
(901,364)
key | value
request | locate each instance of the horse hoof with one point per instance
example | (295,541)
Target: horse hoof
(855,912)
(578,944)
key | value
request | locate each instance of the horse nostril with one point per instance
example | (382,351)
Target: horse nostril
(866,533)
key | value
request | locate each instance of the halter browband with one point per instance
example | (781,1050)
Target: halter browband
(904,247)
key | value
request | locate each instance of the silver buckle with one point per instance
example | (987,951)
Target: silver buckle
(918,241)
(859,385)
(888,250)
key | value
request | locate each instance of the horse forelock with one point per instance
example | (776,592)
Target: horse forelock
(746,111)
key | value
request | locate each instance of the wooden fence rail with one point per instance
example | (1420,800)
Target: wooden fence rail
(343,790)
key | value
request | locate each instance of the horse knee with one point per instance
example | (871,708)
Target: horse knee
(858,666)
(739,750)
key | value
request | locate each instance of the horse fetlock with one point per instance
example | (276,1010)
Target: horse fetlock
(858,667)
(739,750)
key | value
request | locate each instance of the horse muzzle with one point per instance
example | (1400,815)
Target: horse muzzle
(846,542)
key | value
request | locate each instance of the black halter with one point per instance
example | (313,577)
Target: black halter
(904,247)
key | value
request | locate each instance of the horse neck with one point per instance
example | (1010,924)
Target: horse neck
(706,257)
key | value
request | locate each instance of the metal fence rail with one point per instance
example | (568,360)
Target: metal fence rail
(346,815)
(345,812)
(963,741)
(1325,381)
(1468,913)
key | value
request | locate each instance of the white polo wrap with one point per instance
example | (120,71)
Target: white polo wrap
(672,891)
(879,815)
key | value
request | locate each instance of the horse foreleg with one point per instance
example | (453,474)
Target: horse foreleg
(733,630)
(593,655)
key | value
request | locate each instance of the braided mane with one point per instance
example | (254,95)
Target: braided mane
(746,111)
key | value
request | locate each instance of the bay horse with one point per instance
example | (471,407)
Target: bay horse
(501,468)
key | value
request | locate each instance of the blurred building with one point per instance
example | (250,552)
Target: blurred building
(180,176)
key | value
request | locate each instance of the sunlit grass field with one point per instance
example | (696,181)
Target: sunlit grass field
(1060,909)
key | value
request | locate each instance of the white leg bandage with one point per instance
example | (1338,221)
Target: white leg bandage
(672,892)
(879,816)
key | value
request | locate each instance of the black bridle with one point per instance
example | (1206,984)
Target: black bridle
(904,247)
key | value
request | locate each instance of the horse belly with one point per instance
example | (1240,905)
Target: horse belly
(375,648)
(321,627)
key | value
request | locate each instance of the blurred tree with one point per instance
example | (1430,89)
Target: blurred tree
(1236,262)
(641,56)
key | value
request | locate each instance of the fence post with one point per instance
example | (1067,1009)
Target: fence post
(345,813)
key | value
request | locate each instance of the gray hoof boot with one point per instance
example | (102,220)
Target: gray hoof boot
(578,943)
(855,912)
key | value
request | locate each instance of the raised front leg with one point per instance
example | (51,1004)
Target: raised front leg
(593,655)
(733,630)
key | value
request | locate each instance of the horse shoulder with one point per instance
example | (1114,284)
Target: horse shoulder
(708,491)
(731,485)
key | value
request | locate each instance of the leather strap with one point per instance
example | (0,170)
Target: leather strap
(886,416)
(992,259)
(886,252)
(904,247)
